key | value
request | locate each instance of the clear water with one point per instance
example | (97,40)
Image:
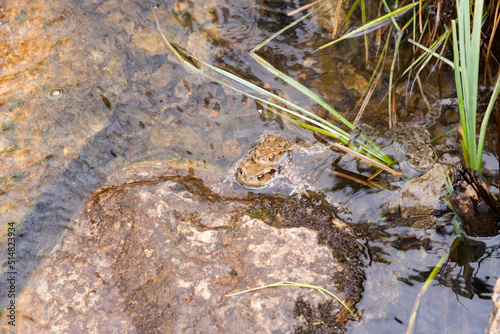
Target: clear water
(89,88)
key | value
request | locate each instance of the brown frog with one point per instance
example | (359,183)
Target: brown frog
(269,161)
(253,175)
(410,140)
(417,201)
(272,150)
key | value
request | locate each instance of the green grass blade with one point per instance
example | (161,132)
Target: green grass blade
(353,8)
(372,25)
(427,283)
(365,35)
(474,70)
(423,60)
(437,55)
(456,225)
(333,132)
(327,126)
(391,73)
(469,48)
(251,86)
(396,25)
(322,123)
(267,40)
(374,153)
(278,98)
(309,93)
(461,107)
(484,123)
(291,81)
(447,181)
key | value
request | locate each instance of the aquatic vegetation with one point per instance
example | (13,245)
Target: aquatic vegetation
(309,120)
(466,59)
(466,64)
(381,25)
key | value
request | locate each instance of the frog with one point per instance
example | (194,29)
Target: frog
(272,151)
(268,164)
(254,175)
(420,198)
(410,140)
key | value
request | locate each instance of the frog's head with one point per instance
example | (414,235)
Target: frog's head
(252,175)
(272,150)
(277,157)
(421,157)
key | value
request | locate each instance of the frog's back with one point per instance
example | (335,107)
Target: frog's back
(408,135)
(435,112)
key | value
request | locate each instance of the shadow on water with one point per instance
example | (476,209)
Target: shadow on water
(40,232)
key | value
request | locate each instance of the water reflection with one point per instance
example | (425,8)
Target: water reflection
(55,207)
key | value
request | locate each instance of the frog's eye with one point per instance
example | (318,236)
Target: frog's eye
(271,158)
(260,177)
(411,159)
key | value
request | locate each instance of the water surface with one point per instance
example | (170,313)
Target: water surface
(90,88)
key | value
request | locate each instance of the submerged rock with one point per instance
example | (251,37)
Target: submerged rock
(420,198)
(154,253)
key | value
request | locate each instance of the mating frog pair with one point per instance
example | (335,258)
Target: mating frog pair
(264,162)
(269,161)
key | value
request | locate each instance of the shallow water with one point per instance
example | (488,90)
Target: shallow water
(89,89)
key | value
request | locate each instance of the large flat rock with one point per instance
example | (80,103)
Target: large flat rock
(159,255)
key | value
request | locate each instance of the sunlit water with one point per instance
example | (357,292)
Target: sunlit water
(89,89)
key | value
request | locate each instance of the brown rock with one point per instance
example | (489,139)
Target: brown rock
(159,254)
